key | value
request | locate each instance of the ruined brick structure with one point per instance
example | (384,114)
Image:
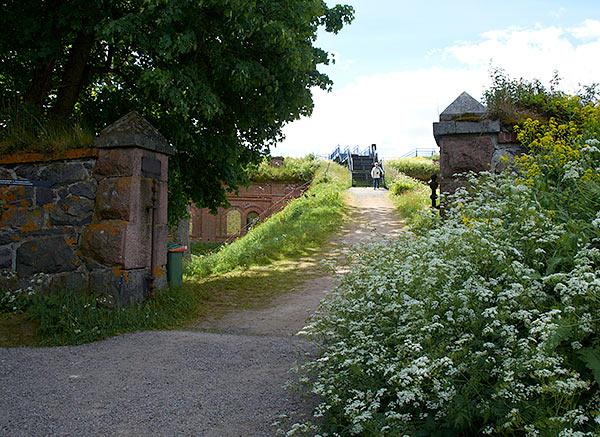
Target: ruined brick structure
(257,202)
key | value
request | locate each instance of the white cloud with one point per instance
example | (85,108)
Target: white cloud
(589,29)
(396,110)
(558,12)
(537,52)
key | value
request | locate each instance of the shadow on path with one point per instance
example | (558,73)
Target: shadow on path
(180,382)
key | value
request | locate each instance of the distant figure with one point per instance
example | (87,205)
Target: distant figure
(376,173)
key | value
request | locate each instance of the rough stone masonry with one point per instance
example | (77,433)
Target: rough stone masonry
(470,141)
(86,218)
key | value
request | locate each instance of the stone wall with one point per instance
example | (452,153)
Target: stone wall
(469,141)
(83,219)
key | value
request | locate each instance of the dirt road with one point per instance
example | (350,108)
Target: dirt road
(226,382)
(372,217)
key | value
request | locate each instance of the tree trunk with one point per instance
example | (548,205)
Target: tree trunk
(40,87)
(74,75)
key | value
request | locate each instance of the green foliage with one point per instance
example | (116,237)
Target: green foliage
(292,170)
(303,224)
(205,247)
(410,196)
(218,78)
(480,322)
(70,318)
(419,167)
(515,100)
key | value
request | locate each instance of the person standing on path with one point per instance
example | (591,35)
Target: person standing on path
(376,173)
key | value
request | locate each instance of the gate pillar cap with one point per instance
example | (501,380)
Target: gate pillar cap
(133,130)
(463,106)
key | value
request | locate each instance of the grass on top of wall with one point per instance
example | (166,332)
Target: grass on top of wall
(25,130)
(418,167)
(304,224)
(297,170)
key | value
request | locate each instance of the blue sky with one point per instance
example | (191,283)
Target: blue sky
(401,63)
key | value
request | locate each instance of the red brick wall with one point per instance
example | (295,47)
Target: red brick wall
(263,198)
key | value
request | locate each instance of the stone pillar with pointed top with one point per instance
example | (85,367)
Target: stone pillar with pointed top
(467,140)
(131,170)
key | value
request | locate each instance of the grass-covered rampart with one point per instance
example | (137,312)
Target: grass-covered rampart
(304,224)
(292,170)
(420,168)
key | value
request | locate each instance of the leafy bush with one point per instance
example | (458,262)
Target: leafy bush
(292,170)
(304,223)
(204,247)
(402,183)
(483,322)
(419,167)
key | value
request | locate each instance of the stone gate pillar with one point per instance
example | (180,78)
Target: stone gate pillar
(128,232)
(469,141)
(466,140)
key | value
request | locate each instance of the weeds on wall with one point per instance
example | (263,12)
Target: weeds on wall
(23,129)
(515,100)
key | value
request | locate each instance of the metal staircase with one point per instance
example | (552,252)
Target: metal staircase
(359,162)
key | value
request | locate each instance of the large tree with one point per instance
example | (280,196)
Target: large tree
(219,78)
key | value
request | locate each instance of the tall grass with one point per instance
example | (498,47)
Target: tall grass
(76,317)
(409,195)
(293,170)
(419,167)
(305,223)
(26,130)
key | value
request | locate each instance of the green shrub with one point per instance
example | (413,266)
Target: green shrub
(303,224)
(418,167)
(204,247)
(292,170)
(402,183)
(480,322)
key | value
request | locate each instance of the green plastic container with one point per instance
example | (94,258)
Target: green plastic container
(175,263)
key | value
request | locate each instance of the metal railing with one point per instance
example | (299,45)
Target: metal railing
(420,152)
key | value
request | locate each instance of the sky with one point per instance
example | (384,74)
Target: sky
(401,63)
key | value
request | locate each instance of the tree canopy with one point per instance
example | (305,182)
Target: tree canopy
(219,78)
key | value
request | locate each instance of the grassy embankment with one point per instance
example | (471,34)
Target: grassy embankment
(240,275)
(409,189)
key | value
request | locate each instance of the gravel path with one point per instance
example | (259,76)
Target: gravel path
(228,382)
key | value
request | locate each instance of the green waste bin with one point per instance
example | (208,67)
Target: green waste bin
(175,263)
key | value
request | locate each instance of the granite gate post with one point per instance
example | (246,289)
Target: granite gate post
(469,141)
(88,218)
